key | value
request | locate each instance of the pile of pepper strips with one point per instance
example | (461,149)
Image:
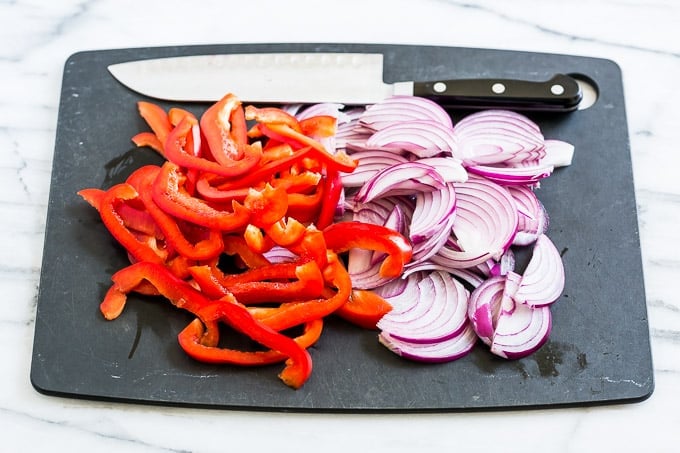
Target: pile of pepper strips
(237,182)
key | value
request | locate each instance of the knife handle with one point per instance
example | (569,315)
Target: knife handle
(559,94)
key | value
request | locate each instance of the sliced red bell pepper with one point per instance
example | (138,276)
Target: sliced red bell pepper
(224,126)
(294,313)
(320,126)
(299,366)
(235,245)
(148,139)
(170,195)
(157,119)
(209,246)
(271,115)
(285,134)
(364,309)
(190,341)
(183,144)
(108,211)
(274,283)
(333,190)
(266,206)
(342,236)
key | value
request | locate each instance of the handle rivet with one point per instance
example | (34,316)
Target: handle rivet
(439,87)
(498,88)
(557,89)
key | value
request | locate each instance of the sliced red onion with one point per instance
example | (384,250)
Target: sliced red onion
(369,163)
(558,153)
(468,276)
(421,138)
(533,218)
(444,351)
(521,332)
(401,179)
(498,136)
(403,108)
(434,212)
(543,279)
(511,330)
(508,176)
(439,314)
(278,254)
(450,168)
(484,226)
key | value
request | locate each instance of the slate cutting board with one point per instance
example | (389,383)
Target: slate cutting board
(598,352)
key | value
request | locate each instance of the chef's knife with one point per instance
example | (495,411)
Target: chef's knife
(346,78)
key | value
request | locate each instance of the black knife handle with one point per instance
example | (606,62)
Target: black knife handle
(559,94)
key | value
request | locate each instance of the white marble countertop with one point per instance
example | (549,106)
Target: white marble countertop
(38,36)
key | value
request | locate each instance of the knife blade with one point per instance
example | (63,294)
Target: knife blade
(316,77)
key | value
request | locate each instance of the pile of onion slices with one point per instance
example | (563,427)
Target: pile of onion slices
(465,196)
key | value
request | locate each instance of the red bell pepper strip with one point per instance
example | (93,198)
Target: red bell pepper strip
(235,245)
(266,284)
(216,125)
(226,309)
(294,313)
(211,193)
(286,232)
(179,150)
(266,206)
(272,115)
(266,171)
(364,309)
(285,134)
(170,195)
(319,126)
(333,190)
(180,293)
(342,236)
(157,119)
(110,201)
(148,139)
(190,341)
(204,249)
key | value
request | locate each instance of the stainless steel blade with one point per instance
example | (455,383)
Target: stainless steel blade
(347,78)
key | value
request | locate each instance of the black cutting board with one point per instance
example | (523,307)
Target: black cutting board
(598,352)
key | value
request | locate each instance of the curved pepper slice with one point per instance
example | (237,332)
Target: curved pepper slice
(364,309)
(285,134)
(210,313)
(190,341)
(228,310)
(170,195)
(294,313)
(158,121)
(108,210)
(204,249)
(224,126)
(187,132)
(342,236)
(265,284)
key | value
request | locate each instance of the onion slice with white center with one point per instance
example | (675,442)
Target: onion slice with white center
(498,136)
(369,163)
(398,109)
(484,226)
(533,218)
(528,174)
(543,279)
(444,351)
(401,179)
(511,330)
(421,138)
(439,314)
